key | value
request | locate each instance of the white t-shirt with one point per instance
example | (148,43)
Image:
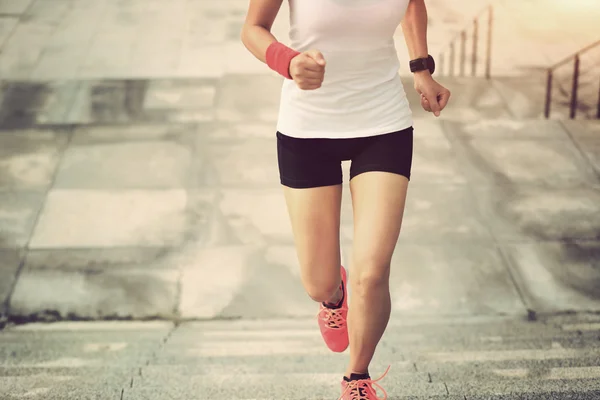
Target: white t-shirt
(362,94)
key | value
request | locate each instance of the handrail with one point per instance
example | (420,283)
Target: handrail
(462,35)
(580,53)
(574,101)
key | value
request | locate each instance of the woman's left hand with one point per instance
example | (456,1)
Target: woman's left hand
(434,97)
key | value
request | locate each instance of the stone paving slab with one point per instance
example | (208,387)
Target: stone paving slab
(96,284)
(141,165)
(28,159)
(582,129)
(17,217)
(452,279)
(508,160)
(89,135)
(96,218)
(547,163)
(591,149)
(7,25)
(524,214)
(10,262)
(66,345)
(26,104)
(586,135)
(524,96)
(139,101)
(69,43)
(473,99)
(179,94)
(272,288)
(258,212)
(545,390)
(74,361)
(442,213)
(95,384)
(557,277)
(435,162)
(253,282)
(233,131)
(244,163)
(14,6)
(204,292)
(507,129)
(237,99)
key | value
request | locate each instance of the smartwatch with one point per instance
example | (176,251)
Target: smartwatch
(421,64)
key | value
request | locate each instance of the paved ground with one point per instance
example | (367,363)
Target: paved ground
(124,220)
(450,359)
(138,180)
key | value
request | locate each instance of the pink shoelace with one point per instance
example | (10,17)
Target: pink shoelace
(332,317)
(363,388)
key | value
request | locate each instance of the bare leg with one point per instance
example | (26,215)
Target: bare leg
(315,218)
(378,200)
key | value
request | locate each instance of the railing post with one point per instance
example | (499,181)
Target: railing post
(548,94)
(441,67)
(475,40)
(574,88)
(463,52)
(488,62)
(452,59)
(598,110)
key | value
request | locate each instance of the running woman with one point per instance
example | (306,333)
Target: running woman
(343,99)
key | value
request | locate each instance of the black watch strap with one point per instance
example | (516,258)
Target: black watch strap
(422,64)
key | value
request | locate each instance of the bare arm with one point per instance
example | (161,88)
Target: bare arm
(256,32)
(306,69)
(414,26)
(434,97)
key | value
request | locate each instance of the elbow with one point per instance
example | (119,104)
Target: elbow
(246,34)
(243,35)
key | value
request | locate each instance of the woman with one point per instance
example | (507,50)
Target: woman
(343,99)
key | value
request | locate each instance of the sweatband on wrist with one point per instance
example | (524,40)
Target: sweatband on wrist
(279,57)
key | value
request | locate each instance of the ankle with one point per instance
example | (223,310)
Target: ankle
(352,374)
(336,299)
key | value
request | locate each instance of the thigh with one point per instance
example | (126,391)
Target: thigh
(315,219)
(378,201)
(311,175)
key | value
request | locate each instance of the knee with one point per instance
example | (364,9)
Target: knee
(371,278)
(321,291)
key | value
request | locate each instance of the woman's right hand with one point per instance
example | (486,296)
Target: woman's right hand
(308,69)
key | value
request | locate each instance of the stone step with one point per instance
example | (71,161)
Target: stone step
(430,358)
(270,359)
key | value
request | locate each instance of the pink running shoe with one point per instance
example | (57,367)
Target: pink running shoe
(362,389)
(332,321)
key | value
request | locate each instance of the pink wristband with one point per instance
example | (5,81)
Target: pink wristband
(279,57)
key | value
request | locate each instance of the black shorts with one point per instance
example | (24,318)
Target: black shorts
(306,163)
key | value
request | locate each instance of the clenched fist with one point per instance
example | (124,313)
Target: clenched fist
(308,69)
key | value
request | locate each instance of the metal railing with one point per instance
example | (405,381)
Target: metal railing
(573,101)
(450,49)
